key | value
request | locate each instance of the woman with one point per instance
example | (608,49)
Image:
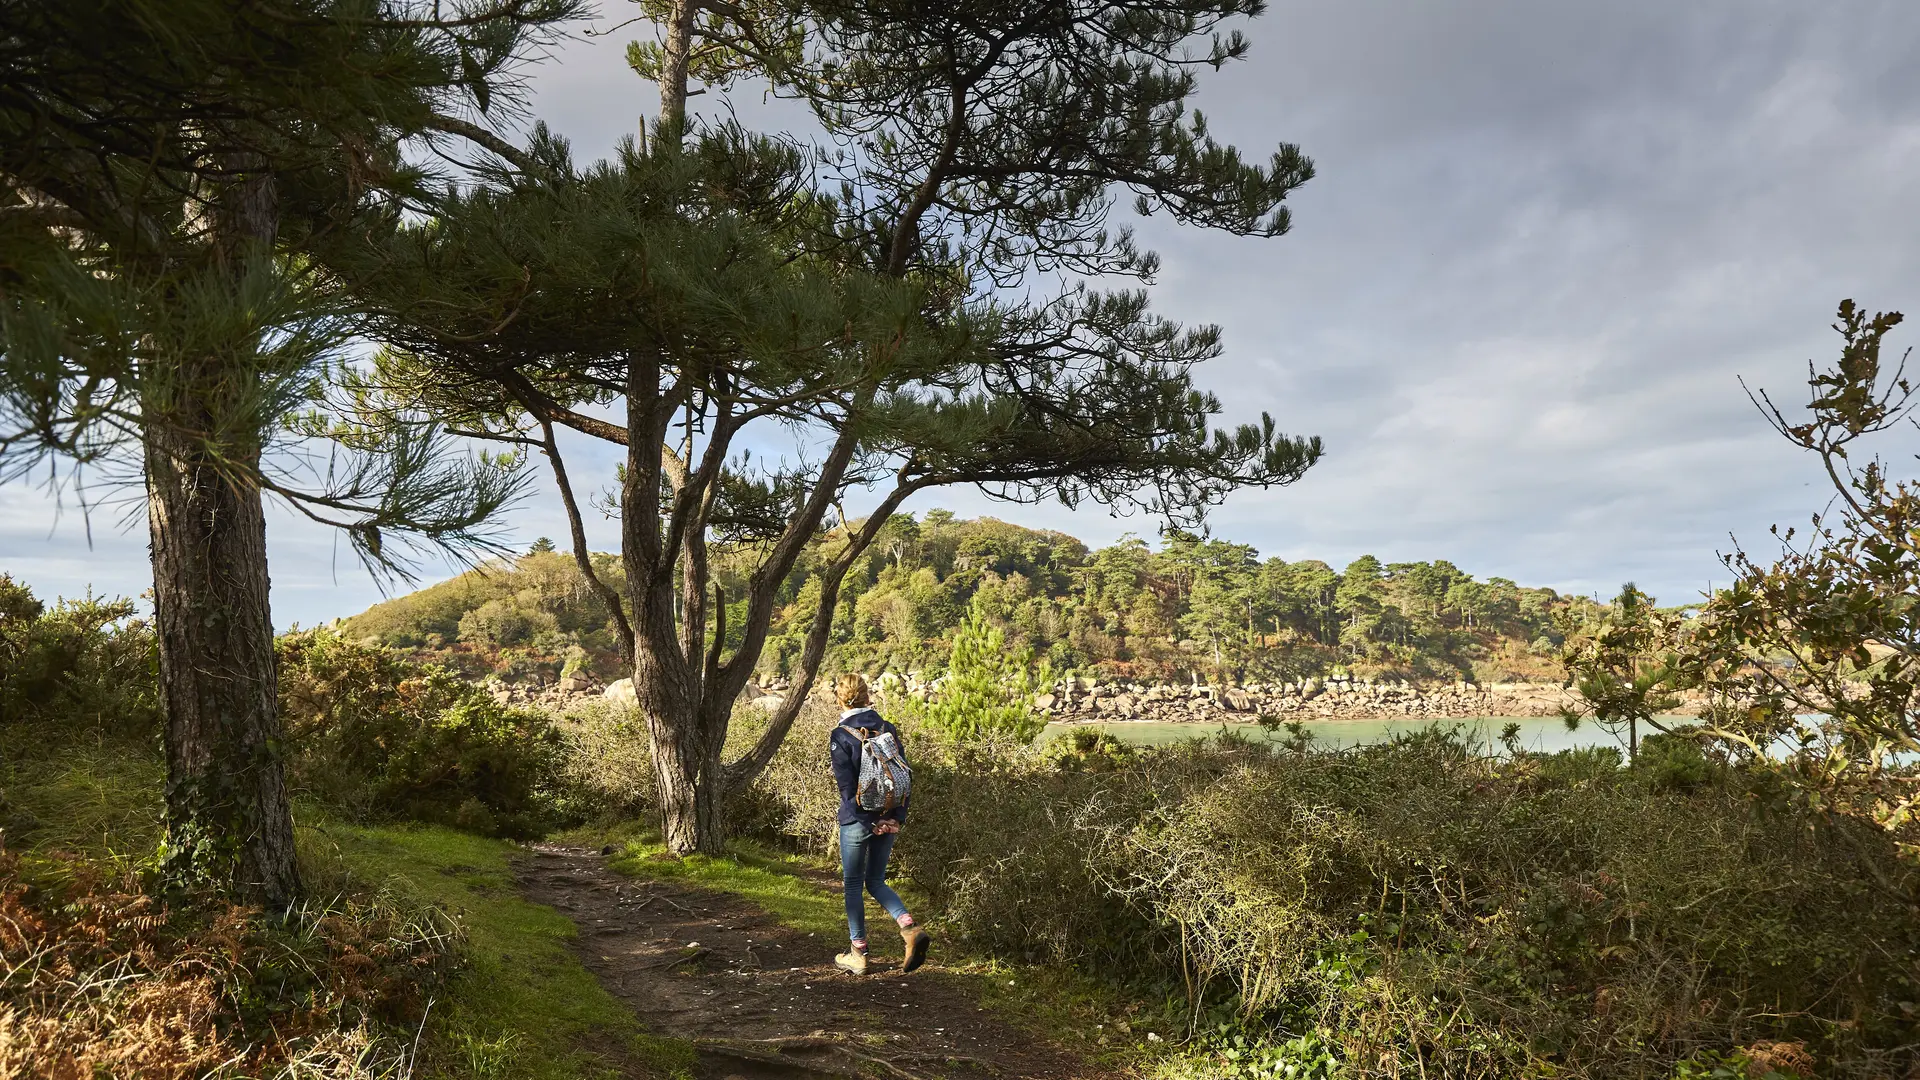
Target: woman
(866,836)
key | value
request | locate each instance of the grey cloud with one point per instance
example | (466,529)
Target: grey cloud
(1545,241)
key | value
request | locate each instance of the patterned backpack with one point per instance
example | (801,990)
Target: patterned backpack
(885,778)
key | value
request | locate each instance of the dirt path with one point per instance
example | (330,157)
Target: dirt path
(762,1000)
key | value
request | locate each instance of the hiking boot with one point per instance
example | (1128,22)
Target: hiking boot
(916,940)
(852,962)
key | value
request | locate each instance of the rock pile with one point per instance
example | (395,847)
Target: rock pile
(1080,700)
(768,697)
(563,692)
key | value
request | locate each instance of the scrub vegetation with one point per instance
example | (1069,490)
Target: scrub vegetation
(415,957)
(228,853)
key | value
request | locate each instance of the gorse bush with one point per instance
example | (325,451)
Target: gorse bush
(1415,908)
(85,662)
(796,802)
(375,735)
(607,761)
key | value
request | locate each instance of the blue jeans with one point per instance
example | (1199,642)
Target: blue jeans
(863,867)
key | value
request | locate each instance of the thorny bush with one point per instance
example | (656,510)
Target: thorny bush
(88,662)
(375,735)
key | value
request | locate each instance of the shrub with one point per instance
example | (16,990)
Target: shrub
(1088,748)
(1414,907)
(608,760)
(85,663)
(498,623)
(795,802)
(375,735)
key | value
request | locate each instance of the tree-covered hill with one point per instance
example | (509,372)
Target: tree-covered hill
(1188,606)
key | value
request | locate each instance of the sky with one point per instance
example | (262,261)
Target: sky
(1545,244)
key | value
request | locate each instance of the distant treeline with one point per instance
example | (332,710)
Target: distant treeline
(1188,606)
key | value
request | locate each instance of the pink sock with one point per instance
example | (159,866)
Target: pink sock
(859,944)
(904,921)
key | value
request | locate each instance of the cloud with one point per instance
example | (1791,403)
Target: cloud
(1545,243)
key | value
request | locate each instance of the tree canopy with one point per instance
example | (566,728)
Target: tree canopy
(708,288)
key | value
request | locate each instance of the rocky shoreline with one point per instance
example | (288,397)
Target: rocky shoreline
(1087,701)
(1084,700)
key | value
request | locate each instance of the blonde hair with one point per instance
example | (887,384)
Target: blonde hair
(851,689)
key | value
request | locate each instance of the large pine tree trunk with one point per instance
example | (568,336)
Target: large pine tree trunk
(686,764)
(229,822)
(228,819)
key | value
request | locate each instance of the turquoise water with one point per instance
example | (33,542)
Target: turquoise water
(1543,734)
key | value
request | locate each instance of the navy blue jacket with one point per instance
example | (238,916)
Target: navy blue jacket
(844,746)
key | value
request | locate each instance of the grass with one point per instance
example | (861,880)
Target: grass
(775,883)
(88,793)
(1086,1016)
(522,1006)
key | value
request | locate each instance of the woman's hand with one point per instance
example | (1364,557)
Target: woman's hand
(885,826)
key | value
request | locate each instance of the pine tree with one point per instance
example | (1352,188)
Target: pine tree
(166,171)
(988,690)
(701,288)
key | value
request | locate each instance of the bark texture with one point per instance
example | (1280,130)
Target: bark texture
(228,817)
(229,821)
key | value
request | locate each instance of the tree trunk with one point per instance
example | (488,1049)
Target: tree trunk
(228,820)
(686,761)
(678,48)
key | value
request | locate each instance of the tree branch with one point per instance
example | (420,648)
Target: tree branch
(744,771)
(474,133)
(581,556)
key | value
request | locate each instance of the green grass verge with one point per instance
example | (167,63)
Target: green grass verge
(522,1006)
(774,883)
(85,792)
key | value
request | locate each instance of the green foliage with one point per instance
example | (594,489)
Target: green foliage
(527,617)
(607,766)
(1411,905)
(87,663)
(498,623)
(379,737)
(989,688)
(1816,656)
(1621,665)
(1125,610)
(160,301)
(1089,749)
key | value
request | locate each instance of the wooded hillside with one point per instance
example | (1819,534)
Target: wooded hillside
(1184,607)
